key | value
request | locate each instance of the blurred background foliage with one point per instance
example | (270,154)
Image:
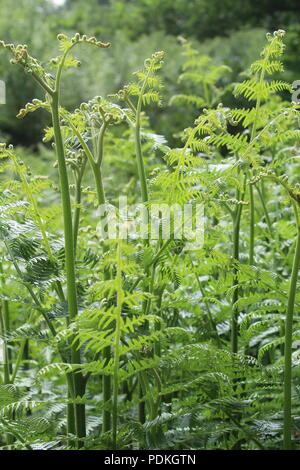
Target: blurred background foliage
(229,31)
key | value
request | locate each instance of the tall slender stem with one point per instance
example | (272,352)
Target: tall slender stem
(236,248)
(236,219)
(3,329)
(252,222)
(138,148)
(95,164)
(78,191)
(69,259)
(4,326)
(117,347)
(287,421)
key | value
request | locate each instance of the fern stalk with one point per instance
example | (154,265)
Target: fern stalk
(287,421)
(234,318)
(252,231)
(117,346)
(138,145)
(145,198)
(78,190)
(69,256)
(236,254)
(95,164)
(3,329)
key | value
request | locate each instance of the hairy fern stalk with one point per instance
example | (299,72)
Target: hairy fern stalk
(146,343)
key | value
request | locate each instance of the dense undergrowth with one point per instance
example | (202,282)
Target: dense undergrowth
(134,344)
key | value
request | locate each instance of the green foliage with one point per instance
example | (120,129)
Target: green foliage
(230,33)
(193,347)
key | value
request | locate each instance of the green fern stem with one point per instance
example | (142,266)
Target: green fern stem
(8,374)
(4,327)
(138,147)
(274,237)
(145,198)
(18,361)
(235,296)
(95,164)
(287,388)
(287,420)
(157,344)
(117,347)
(79,385)
(236,219)
(252,230)
(265,210)
(78,192)
(146,390)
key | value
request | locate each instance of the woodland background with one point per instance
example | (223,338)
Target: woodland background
(230,31)
(244,157)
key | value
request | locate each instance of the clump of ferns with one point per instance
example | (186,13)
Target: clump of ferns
(97,327)
(196,172)
(51,87)
(239,144)
(35,419)
(187,177)
(39,249)
(289,318)
(144,90)
(209,400)
(203,77)
(248,153)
